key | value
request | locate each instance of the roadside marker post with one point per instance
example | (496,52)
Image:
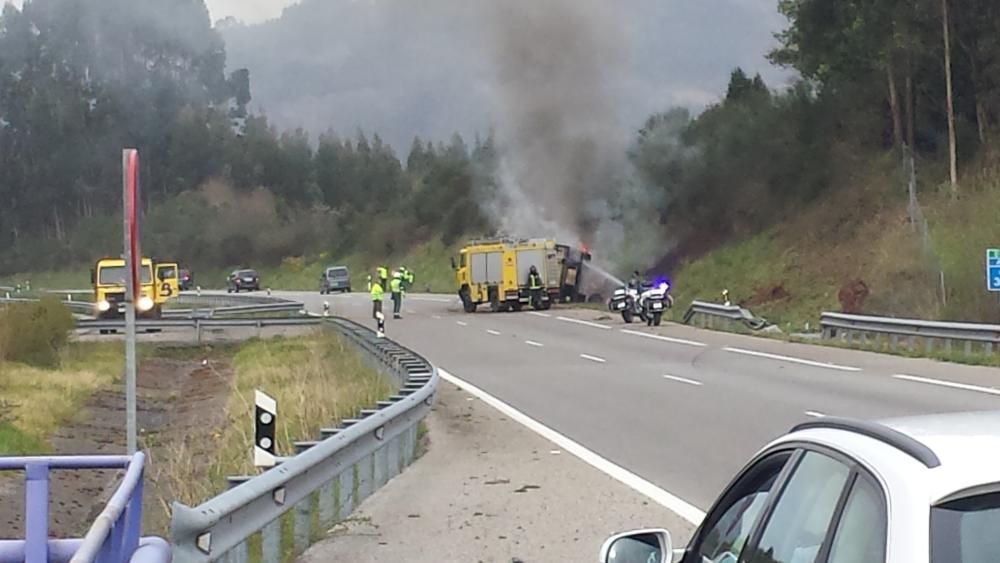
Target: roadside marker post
(265,414)
(133,285)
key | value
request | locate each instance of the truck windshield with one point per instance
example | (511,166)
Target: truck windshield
(167,272)
(115,275)
(965,531)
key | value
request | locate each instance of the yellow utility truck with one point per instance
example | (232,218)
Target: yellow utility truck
(495,272)
(108,278)
(168,283)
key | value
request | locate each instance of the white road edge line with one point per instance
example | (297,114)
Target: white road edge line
(593,358)
(671,502)
(461,323)
(952,384)
(430,299)
(493,332)
(533,343)
(537,314)
(815,414)
(790,359)
(683,380)
(584,323)
(664,338)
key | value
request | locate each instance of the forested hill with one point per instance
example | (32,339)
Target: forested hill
(81,80)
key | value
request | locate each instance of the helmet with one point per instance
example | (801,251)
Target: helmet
(533,269)
(396,275)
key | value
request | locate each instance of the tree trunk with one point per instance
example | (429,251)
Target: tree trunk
(952,150)
(897,122)
(981,120)
(910,125)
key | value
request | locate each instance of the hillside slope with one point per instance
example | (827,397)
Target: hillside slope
(795,269)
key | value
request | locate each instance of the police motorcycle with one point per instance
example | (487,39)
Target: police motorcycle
(648,302)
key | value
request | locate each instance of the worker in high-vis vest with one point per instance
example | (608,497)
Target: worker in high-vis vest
(396,288)
(383,276)
(378,294)
(535,286)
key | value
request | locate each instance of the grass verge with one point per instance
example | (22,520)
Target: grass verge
(35,402)
(316,380)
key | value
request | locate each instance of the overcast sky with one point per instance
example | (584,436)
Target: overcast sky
(408,67)
(249,11)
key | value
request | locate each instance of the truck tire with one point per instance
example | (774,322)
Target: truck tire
(517,307)
(467,305)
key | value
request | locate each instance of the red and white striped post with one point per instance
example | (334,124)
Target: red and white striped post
(133,283)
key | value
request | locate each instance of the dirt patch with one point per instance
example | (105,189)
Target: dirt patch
(179,401)
(852,296)
(768,294)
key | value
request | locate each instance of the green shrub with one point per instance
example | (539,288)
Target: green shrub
(34,333)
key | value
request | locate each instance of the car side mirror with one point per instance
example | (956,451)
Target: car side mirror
(638,546)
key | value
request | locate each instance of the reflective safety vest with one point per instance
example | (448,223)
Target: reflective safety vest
(383,272)
(377,291)
(534,281)
(396,285)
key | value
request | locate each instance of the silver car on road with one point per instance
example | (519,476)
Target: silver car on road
(911,490)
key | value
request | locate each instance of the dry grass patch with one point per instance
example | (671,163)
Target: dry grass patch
(35,402)
(316,380)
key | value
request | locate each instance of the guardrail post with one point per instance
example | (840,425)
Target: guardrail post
(347,499)
(947,345)
(988,348)
(197,327)
(237,554)
(329,503)
(968,347)
(302,519)
(893,342)
(270,541)
(929,344)
(36,512)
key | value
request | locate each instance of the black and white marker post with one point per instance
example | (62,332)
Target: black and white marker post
(265,412)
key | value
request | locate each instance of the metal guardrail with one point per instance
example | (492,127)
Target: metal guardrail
(80,307)
(326,479)
(862,329)
(197,324)
(114,536)
(716,315)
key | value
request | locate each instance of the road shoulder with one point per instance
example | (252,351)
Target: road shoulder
(490,490)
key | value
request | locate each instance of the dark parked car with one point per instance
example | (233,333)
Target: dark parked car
(335,278)
(240,280)
(185,280)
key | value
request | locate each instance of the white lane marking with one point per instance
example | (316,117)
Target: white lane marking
(493,332)
(952,384)
(815,414)
(683,380)
(584,323)
(664,338)
(671,502)
(593,358)
(533,343)
(790,359)
(431,299)
(537,314)
(438,317)
(461,323)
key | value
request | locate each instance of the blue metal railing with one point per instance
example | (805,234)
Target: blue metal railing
(114,537)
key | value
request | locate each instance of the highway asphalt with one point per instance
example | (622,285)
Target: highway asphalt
(683,408)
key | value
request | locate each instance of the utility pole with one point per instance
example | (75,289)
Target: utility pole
(952,150)
(133,286)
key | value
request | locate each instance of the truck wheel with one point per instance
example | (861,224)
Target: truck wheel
(628,316)
(517,307)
